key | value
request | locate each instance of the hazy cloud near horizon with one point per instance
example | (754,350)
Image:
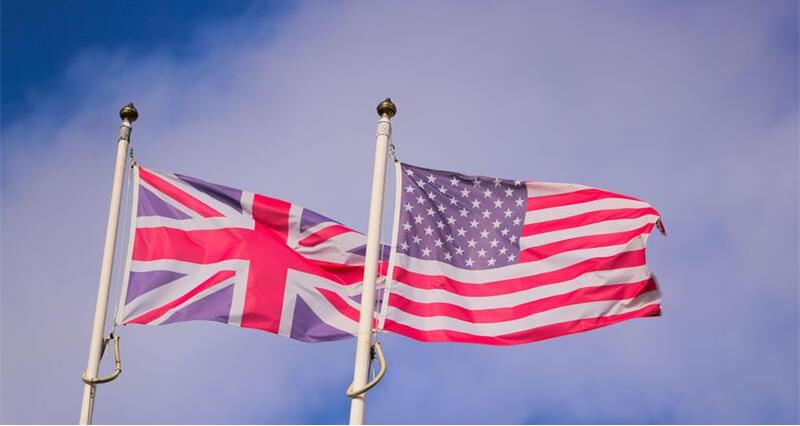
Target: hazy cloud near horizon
(691,106)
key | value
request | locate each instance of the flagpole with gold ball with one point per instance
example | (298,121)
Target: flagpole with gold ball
(386,110)
(128,114)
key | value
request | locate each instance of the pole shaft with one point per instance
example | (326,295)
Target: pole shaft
(364,336)
(101,307)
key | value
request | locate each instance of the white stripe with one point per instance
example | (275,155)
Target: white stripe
(599,228)
(590,279)
(518,270)
(540,319)
(126,273)
(239,294)
(542,189)
(336,249)
(553,213)
(199,223)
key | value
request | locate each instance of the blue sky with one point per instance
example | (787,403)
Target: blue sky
(690,105)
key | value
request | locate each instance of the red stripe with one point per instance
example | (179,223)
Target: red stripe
(585,219)
(494,288)
(526,336)
(324,235)
(590,241)
(178,194)
(583,295)
(200,246)
(158,312)
(576,197)
(338,302)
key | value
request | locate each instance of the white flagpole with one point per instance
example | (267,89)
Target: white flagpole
(386,110)
(128,114)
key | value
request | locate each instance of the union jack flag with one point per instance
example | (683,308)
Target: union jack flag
(203,251)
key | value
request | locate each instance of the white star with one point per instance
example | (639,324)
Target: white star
(431,178)
(519,202)
(453,181)
(491,262)
(442,189)
(453,201)
(416,239)
(440,224)
(432,195)
(517,183)
(496,224)
(477,182)
(503,250)
(409,207)
(486,214)
(508,212)
(418,218)
(406,226)
(513,238)
(459,251)
(470,262)
(494,242)
(511,257)
(426,251)
(441,207)
(465,192)
(504,231)
(484,234)
(420,199)
(447,256)
(517,221)
(481,253)
(476,203)
(404,246)
(498,204)
(497,181)
(474,223)
(409,172)
(438,242)
(461,232)
(471,243)
(451,220)
(409,189)
(509,192)
(431,212)
(428,230)
(449,238)
(487,193)
(421,184)
(463,212)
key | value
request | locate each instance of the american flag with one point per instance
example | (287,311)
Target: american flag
(496,261)
(203,251)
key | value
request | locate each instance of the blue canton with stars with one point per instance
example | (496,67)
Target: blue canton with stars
(471,222)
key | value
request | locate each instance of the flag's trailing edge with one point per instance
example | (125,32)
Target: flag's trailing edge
(494,261)
(202,251)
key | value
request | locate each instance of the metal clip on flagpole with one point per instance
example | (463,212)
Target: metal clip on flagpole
(128,114)
(117,362)
(386,110)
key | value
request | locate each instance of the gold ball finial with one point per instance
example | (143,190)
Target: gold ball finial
(129,113)
(387,108)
